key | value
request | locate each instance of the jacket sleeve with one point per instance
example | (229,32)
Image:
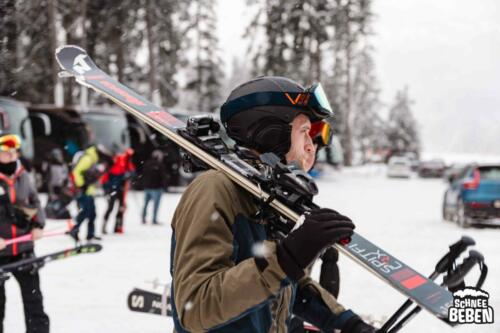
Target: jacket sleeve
(317,306)
(38,220)
(83,165)
(209,289)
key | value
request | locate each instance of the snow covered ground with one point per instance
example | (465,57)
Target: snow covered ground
(88,293)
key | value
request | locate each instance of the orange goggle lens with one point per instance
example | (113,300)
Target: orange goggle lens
(9,142)
(321,133)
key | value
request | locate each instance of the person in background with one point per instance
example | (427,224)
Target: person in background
(57,185)
(115,183)
(57,173)
(85,174)
(154,181)
(20,214)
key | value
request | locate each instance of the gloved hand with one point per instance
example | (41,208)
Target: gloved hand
(36,233)
(321,228)
(356,325)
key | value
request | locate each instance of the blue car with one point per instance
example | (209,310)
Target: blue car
(473,196)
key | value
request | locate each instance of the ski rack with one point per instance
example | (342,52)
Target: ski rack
(75,61)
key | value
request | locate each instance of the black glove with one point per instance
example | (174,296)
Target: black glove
(321,228)
(357,325)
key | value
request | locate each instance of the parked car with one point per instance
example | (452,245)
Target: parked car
(453,171)
(399,167)
(473,196)
(413,157)
(431,169)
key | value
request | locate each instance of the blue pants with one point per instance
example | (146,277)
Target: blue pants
(155,195)
(86,208)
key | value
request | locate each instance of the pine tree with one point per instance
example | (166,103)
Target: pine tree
(368,129)
(293,34)
(28,73)
(205,80)
(314,41)
(402,131)
(8,48)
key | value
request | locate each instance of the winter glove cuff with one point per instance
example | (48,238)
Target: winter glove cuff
(288,264)
(356,325)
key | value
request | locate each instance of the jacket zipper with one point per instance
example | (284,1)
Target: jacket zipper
(278,310)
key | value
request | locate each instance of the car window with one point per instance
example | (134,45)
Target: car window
(491,172)
(464,172)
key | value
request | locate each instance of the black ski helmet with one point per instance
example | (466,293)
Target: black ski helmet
(258,113)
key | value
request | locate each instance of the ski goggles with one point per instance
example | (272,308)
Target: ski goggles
(9,142)
(321,133)
(313,99)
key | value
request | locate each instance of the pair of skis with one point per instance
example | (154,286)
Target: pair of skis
(288,198)
(140,300)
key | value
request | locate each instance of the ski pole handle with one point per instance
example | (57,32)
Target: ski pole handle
(457,275)
(29,237)
(455,250)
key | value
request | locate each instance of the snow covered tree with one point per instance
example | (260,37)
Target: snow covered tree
(293,34)
(402,129)
(205,77)
(368,127)
(352,29)
(28,73)
(317,40)
(166,26)
(8,48)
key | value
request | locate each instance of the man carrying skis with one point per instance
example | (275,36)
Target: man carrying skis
(20,214)
(229,272)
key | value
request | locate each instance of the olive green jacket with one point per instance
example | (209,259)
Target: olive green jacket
(217,285)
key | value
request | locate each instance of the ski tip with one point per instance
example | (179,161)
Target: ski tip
(69,46)
(74,60)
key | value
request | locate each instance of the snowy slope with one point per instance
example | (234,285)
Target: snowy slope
(88,293)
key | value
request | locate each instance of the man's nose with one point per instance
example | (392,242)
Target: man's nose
(309,147)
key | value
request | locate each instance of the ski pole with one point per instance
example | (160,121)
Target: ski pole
(29,237)
(442,266)
(457,275)
(455,278)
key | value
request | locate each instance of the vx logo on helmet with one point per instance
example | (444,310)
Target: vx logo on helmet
(300,99)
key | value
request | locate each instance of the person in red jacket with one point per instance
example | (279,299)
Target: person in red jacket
(116,183)
(20,214)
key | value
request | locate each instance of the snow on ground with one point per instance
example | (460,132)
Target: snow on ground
(88,293)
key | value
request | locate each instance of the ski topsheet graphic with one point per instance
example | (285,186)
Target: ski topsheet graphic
(140,300)
(37,262)
(430,296)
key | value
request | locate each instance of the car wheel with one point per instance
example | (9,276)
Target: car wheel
(462,219)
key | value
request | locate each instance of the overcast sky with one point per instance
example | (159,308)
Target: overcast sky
(446,51)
